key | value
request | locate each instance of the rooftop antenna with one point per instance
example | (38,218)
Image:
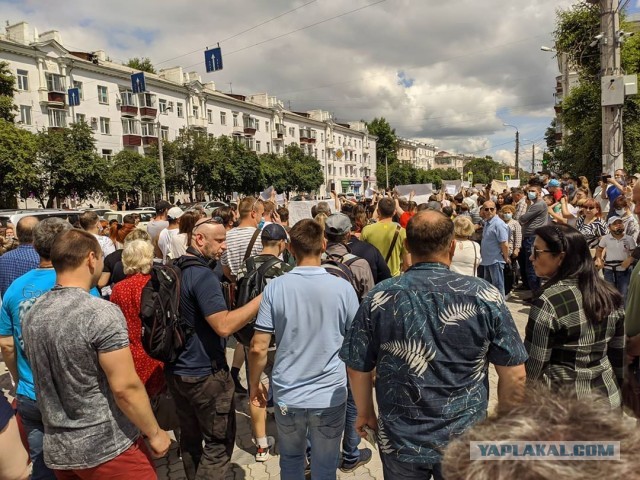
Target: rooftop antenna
(230,87)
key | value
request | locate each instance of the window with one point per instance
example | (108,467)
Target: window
(195,111)
(210,116)
(235,119)
(322,154)
(148,129)
(103,95)
(129,126)
(81,118)
(257,123)
(162,105)
(105,127)
(315,153)
(23,80)
(268,147)
(180,109)
(55,83)
(211,136)
(292,131)
(148,100)
(266,127)
(78,85)
(257,145)
(25,114)
(164,133)
(223,118)
(107,154)
(321,137)
(339,140)
(127,99)
(57,118)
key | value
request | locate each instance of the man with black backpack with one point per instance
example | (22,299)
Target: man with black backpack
(253,276)
(199,378)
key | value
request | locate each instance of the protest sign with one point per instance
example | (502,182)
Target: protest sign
(301,209)
(498,186)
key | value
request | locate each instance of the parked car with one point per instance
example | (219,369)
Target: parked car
(14,216)
(99,211)
(145,216)
(209,206)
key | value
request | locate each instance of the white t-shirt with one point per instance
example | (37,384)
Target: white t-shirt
(616,250)
(164,242)
(106,245)
(178,246)
(466,258)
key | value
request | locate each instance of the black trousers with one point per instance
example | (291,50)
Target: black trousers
(206,410)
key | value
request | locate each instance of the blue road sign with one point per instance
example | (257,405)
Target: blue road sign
(74,97)
(137,82)
(213,59)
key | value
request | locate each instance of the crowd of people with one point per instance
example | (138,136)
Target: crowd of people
(373,296)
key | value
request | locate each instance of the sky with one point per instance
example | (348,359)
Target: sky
(449,73)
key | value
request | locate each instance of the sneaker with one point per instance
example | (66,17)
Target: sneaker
(262,454)
(365,457)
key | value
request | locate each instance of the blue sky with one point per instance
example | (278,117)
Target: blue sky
(450,72)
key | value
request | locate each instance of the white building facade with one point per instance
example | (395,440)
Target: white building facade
(419,154)
(173,100)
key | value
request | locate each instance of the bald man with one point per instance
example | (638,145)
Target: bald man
(430,334)
(199,379)
(494,247)
(16,263)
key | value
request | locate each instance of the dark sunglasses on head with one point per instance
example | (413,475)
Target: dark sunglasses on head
(214,220)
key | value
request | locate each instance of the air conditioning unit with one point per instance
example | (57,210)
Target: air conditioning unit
(94,119)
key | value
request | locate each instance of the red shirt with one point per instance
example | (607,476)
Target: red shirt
(127,294)
(404,219)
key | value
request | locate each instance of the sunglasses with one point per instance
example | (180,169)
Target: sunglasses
(213,220)
(589,208)
(489,209)
(536,252)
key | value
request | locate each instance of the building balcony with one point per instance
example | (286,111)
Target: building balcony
(53,98)
(132,140)
(558,108)
(200,123)
(238,130)
(249,125)
(280,131)
(148,112)
(128,110)
(149,140)
(55,129)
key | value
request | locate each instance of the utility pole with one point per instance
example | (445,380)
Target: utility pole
(386,167)
(612,155)
(161,160)
(533,158)
(517,153)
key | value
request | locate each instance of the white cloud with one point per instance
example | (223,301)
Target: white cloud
(507,157)
(469,62)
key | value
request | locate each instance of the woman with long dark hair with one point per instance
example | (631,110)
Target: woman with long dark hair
(575,333)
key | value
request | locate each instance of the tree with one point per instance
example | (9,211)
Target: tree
(7,89)
(387,143)
(131,174)
(305,170)
(484,170)
(142,64)
(18,174)
(581,151)
(68,164)
(238,169)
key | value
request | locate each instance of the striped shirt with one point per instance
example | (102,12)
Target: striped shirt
(16,263)
(592,231)
(568,349)
(515,236)
(237,243)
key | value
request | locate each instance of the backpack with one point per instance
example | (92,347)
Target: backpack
(340,266)
(248,288)
(164,336)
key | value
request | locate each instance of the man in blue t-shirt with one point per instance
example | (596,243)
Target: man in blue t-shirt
(17,301)
(614,188)
(309,311)
(199,379)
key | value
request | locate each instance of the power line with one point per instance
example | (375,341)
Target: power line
(243,31)
(298,30)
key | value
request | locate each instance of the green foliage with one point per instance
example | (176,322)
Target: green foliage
(387,143)
(68,164)
(143,64)
(293,171)
(7,89)
(574,33)
(484,170)
(18,174)
(131,173)
(405,174)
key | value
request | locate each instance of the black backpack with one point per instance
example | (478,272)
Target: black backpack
(164,336)
(340,266)
(249,287)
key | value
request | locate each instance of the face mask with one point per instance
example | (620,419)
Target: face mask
(532,195)
(508,217)
(620,212)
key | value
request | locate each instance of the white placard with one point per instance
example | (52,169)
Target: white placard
(513,183)
(368,193)
(280,199)
(418,188)
(266,195)
(452,187)
(498,186)
(301,209)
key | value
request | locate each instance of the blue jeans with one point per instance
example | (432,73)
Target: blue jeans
(532,279)
(620,279)
(351,439)
(323,426)
(393,469)
(495,276)
(34,429)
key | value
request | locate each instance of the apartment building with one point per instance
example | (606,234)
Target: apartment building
(419,154)
(451,160)
(174,100)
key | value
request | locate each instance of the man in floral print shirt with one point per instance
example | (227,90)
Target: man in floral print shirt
(430,334)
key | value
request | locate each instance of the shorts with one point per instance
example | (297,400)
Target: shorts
(6,411)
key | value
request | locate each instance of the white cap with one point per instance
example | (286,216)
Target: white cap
(175,213)
(615,218)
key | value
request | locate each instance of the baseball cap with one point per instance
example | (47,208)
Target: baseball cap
(337,224)
(162,205)
(175,213)
(433,205)
(273,231)
(615,218)
(553,183)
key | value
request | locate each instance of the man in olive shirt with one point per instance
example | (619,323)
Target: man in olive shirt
(381,235)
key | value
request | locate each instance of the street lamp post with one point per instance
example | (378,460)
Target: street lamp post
(517,147)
